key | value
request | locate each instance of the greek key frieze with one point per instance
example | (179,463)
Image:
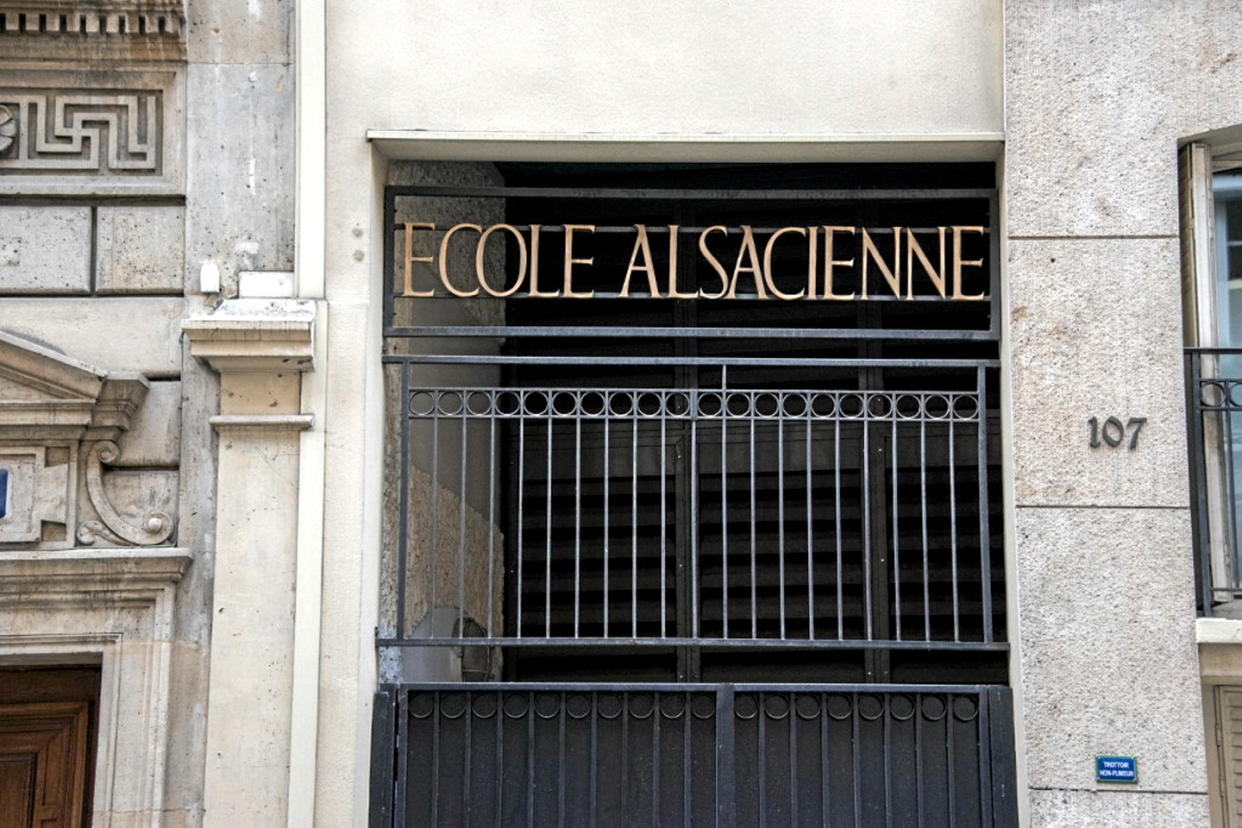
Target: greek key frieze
(91,132)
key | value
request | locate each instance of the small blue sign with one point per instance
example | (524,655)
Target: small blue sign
(4,492)
(1116,769)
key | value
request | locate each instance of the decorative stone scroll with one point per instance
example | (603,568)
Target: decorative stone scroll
(155,526)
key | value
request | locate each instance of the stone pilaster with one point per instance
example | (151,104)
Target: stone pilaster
(259,347)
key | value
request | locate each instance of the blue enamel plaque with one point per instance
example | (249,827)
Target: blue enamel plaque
(4,492)
(1116,769)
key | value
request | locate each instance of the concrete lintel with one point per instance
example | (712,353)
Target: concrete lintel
(425,145)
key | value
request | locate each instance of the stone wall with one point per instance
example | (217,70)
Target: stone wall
(1097,97)
(176,152)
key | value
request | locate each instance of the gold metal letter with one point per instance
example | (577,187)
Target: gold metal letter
(570,261)
(830,262)
(958,264)
(870,251)
(410,259)
(444,243)
(641,245)
(535,292)
(913,248)
(478,260)
(767,264)
(812,251)
(755,271)
(673,238)
(714,262)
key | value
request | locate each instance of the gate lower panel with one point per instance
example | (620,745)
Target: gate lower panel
(701,754)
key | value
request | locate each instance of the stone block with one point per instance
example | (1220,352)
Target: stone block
(1095,331)
(1082,158)
(1116,809)
(154,436)
(140,249)
(1108,654)
(45,250)
(239,191)
(116,334)
(240,31)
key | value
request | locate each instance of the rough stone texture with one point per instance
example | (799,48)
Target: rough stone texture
(444,213)
(1095,331)
(1108,654)
(240,31)
(239,193)
(45,250)
(154,434)
(1116,809)
(132,334)
(187,723)
(1097,96)
(140,250)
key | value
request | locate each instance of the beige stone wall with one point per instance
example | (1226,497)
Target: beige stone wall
(101,261)
(1097,97)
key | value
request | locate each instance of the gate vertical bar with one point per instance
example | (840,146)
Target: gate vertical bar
(403,519)
(725,769)
(985,538)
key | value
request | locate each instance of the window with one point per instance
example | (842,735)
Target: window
(1212,263)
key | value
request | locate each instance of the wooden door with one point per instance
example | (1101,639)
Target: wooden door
(47,734)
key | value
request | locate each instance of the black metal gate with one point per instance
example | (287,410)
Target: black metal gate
(634,516)
(666,754)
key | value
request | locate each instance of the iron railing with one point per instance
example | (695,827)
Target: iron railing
(1214,414)
(715,516)
(698,754)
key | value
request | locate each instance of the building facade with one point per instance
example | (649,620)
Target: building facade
(508,413)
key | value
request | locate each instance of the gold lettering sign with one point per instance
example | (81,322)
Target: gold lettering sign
(843,263)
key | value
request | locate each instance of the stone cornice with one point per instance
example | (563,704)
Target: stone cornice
(56,396)
(255,335)
(69,29)
(84,572)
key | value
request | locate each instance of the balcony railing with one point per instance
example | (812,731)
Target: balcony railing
(1214,414)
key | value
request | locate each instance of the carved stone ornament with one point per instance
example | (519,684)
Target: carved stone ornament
(8,128)
(59,423)
(94,33)
(155,527)
(105,132)
(135,18)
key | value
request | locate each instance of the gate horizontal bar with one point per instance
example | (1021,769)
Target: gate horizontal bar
(583,331)
(753,362)
(702,643)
